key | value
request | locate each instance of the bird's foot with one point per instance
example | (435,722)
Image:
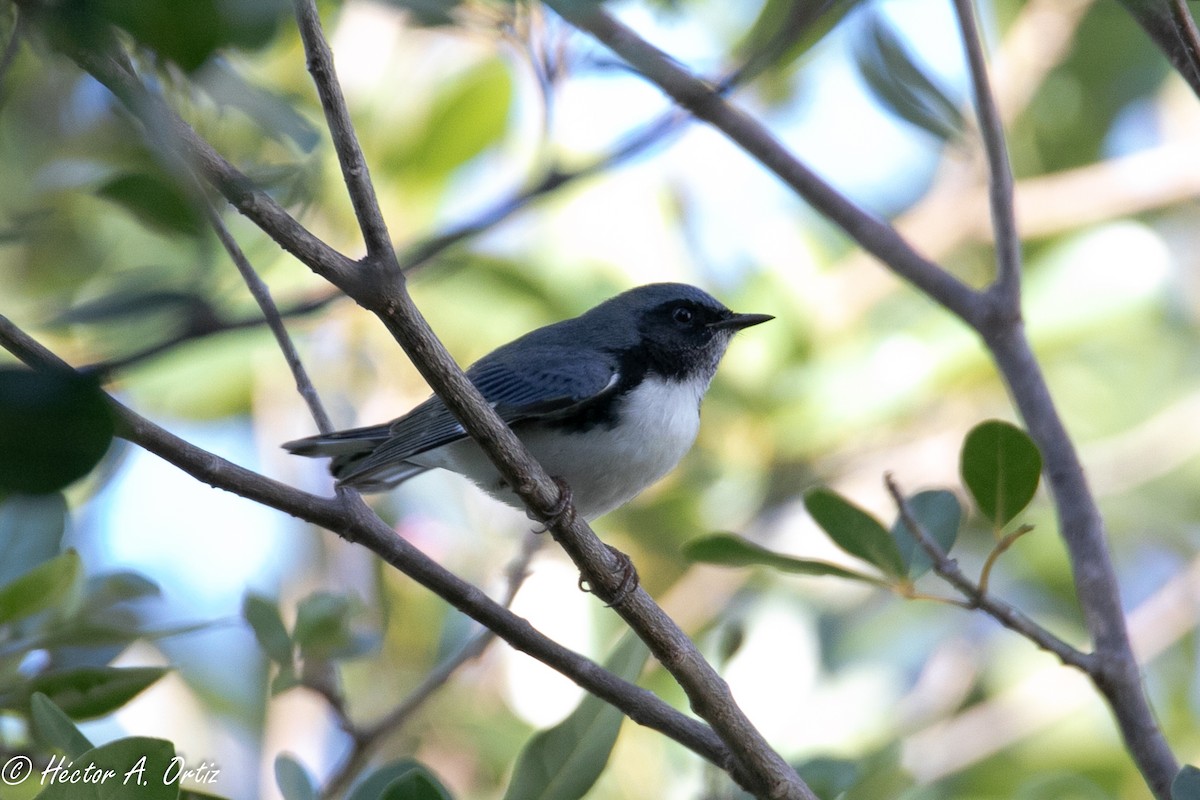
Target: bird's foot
(563,510)
(629,579)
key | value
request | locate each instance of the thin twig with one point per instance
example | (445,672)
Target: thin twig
(1002,546)
(341,129)
(1002,612)
(1000,178)
(424,251)
(214,327)
(262,295)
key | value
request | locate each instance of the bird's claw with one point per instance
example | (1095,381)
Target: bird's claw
(629,579)
(563,510)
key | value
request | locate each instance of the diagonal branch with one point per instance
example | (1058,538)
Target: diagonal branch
(357,523)
(274,320)
(754,763)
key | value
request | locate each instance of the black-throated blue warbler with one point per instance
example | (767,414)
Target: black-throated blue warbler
(608,401)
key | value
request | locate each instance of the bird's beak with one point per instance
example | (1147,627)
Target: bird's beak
(738,321)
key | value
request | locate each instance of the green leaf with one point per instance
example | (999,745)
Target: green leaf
(284,680)
(829,777)
(54,427)
(53,729)
(375,784)
(417,783)
(428,13)
(130,302)
(1186,785)
(323,628)
(275,115)
(901,84)
(31,530)
(88,692)
(158,203)
(187,32)
(1001,467)
(194,794)
(562,763)
(880,774)
(136,768)
(109,589)
(787,29)
(854,530)
(939,514)
(293,779)
(56,583)
(263,616)
(466,118)
(734,551)
(86,632)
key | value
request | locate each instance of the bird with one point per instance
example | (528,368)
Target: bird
(608,401)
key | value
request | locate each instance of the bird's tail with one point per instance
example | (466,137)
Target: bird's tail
(348,449)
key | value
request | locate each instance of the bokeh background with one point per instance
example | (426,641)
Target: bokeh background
(857,376)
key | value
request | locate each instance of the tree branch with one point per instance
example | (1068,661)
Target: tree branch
(762,769)
(1116,675)
(262,295)
(1007,286)
(1170,25)
(706,103)
(341,129)
(210,327)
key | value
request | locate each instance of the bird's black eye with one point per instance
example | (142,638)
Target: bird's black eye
(682,315)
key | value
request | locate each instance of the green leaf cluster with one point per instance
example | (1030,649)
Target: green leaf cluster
(901,85)
(59,631)
(186,32)
(327,630)
(1001,468)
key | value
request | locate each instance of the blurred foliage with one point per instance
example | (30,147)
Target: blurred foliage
(459,105)
(54,428)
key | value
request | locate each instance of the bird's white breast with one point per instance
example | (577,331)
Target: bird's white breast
(605,467)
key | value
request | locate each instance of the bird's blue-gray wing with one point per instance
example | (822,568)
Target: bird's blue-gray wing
(544,383)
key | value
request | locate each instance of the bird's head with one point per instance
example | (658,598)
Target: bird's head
(681,330)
